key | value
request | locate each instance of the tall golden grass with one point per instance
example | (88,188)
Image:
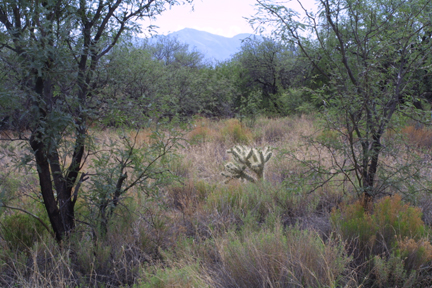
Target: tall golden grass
(200,232)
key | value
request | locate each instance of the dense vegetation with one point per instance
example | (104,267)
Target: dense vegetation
(127,163)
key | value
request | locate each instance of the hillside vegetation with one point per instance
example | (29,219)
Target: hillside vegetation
(302,161)
(196,231)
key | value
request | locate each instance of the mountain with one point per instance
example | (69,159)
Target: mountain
(214,47)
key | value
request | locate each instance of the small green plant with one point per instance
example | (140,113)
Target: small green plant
(278,258)
(414,253)
(245,157)
(21,231)
(390,272)
(126,165)
(377,232)
(249,108)
(185,276)
(234,131)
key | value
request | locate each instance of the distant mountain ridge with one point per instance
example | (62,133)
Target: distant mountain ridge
(214,47)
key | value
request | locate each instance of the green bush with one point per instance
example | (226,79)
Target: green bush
(248,202)
(391,235)
(235,132)
(390,272)
(21,231)
(354,224)
(378,231)
(275,258)
(186,276)
(294,101)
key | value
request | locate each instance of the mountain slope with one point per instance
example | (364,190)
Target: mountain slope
(214,47)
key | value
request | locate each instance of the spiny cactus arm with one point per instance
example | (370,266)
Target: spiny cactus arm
(267,153)
(245,157)
(260,158)
(236,172)
(241,154)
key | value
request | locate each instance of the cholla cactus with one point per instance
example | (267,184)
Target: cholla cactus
(245,157)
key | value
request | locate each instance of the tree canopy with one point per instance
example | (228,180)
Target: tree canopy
(52,51)
(373,58)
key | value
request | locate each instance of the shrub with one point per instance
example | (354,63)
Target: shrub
(354,224)
(418,136)
(181,167)
(392,233)
(402,267)
(395,218)
(186,276)
(274,258)
(275,132)
(21,231)
(330,138)
(294,101)
(235,132)
(390,272)
(377,231)
(201,132)
(94,256)
(243,203)
(188,196)
(415,253)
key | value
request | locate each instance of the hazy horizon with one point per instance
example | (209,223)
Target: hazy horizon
(219,17)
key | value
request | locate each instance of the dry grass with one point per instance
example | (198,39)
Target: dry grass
(200,232)
(279,259)
(419,136)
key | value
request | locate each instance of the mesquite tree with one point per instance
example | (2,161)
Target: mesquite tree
(52,50)
(368,55)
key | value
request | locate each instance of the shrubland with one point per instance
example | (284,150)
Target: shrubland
(192,230)
(123,164)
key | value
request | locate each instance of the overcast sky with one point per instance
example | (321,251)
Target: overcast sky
(221,17)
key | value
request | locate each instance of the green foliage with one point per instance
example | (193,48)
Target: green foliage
(56,88)
(164,77)
(361,79)
(235,132)
(330,138)
(9,183)
(377,232)
(294,101)
(130,164)
(276,258)
(355,224)
(250,204)
(263,69)
(8,187)
(21,231)
(392,236)
(397,218)
(391,273)
(244,157)
(94,255)
(185,276)
(414,253)
(249,109)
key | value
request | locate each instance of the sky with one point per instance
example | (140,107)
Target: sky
(220,17)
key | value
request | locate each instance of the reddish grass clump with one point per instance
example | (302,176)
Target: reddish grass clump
(202,132)
(414,252)
(236,132)
(420,137)
(377,232)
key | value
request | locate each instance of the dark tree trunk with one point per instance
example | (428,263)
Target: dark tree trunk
(370,171)
(60,209)
(46,186)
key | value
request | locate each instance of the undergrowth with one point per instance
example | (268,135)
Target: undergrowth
(199,232)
